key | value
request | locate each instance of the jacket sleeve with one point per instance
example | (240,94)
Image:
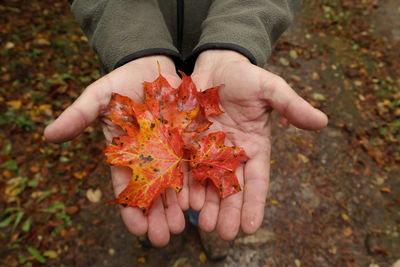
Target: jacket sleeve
(248,27)
(120,30)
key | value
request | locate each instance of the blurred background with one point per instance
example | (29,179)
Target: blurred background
(335,194)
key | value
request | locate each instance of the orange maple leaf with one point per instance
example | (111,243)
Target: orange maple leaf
(217,162)
(159,131)
(155,156)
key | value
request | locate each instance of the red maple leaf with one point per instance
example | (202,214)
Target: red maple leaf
(155,157)
(217,162)
(157,134)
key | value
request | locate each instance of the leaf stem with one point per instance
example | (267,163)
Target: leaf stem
(205,163)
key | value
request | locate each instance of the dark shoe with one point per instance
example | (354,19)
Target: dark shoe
(215,248)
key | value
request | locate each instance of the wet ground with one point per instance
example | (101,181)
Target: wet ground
(334,196)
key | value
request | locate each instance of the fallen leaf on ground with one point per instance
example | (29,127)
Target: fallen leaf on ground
(386,190)
(141,259)
(202,257)
(93,196)
(345,217)
(348,232)
(50,254)
(14,103)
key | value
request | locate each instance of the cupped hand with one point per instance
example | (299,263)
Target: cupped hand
(126,80)
(247,97)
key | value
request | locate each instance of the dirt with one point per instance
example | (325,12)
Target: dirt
(334,197)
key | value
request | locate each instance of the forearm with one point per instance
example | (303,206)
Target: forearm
(120,31)
(247,27)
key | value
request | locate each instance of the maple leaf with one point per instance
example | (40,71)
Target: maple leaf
(217,162)
(209,100)
(160,133)
(164,103)
(122,114)
(190,97)
(154,154)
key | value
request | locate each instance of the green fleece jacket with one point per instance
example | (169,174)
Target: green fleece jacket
(123,30)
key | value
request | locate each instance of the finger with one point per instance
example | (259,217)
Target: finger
(183,196)
(209,213)
(281,97)
(133,218)
(81,113)
(229,212)
(158,231)
(174,214)
(155,224)
(197,194)
(256,179)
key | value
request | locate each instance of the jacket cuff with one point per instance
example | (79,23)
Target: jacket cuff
(191,59)
(175,56)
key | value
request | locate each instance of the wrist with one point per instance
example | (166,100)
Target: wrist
(209,60)
(166,63)
(146,69)
(148,65)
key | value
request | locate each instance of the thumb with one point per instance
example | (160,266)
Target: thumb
(282,98)
(81,113)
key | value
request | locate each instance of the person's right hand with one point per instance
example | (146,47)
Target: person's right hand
(126,80)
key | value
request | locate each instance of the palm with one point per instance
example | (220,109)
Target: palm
(246,115)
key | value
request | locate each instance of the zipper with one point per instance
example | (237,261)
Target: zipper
(180,11)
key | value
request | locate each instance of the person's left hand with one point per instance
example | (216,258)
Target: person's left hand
(247,97)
